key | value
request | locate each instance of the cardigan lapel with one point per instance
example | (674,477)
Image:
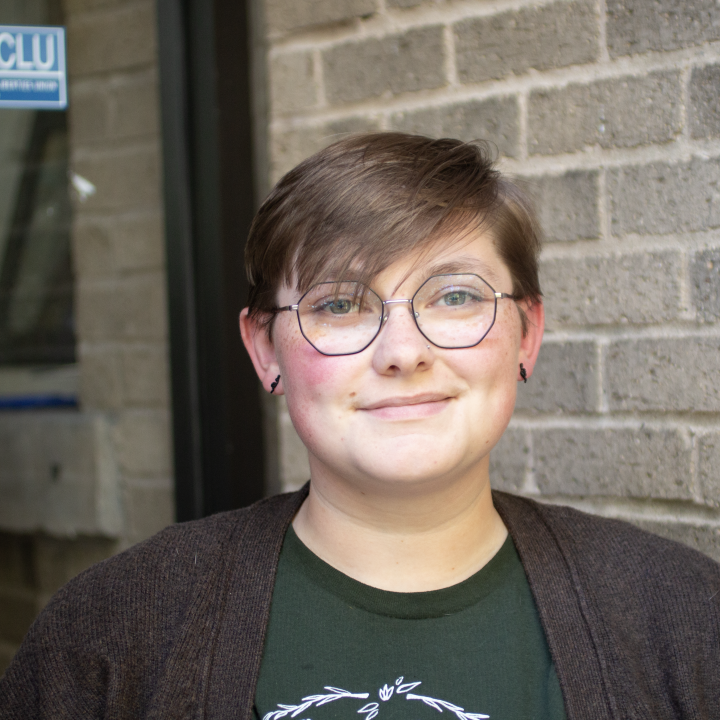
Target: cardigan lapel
(245,608)
(564,619)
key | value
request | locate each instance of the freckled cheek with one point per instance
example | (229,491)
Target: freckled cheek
(313,369)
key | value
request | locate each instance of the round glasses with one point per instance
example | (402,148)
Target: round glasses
(343,317)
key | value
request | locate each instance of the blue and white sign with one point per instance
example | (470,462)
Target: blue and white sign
(32,67)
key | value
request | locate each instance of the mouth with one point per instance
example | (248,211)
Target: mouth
(408,407)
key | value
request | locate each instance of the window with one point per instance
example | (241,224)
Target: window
(36,283)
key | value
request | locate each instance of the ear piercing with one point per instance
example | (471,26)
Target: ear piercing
(273,385)
(523,373)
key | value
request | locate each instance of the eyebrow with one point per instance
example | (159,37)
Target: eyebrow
(464,264)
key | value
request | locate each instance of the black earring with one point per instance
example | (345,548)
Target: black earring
(273,385)
(523,373)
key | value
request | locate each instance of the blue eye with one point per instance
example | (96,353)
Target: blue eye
(455,298)
(340,306)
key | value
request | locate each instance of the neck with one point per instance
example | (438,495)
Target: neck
(404,539)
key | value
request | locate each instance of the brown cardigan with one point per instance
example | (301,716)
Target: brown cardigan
(174,627)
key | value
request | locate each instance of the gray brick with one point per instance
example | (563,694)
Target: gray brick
(133,376)
(292,85)
(638,288)
(395,64)
(150,508)
(623,112)
(509,460)
(135,107)
(705,278)
(131,309)
(292,147)
(636,26)
(661,198)
(124,179)
(495,120)
(709,467)
(568,205)
(669,374)
(88,116)
(559,34)
(705,102)
(101,383)
(142,442)
(564,380)
(612,462)
(112,39)
(704,538)
(105,249)
(145,376)
(288,15)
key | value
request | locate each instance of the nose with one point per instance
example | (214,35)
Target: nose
(400,348)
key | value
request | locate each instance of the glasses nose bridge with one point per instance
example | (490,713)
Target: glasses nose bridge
(399,301)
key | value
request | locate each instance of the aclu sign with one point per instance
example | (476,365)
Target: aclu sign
(32,67)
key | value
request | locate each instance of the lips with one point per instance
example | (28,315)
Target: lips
(408,407)
(404,401)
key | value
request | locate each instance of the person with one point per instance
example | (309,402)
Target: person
(395,303)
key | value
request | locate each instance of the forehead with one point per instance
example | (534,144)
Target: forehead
(469,251)
(472,253)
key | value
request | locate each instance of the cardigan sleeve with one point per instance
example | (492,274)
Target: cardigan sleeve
(105,642)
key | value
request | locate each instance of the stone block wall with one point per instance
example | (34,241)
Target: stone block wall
(609,111)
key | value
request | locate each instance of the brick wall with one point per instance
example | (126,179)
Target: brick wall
(609,110)
(78,486)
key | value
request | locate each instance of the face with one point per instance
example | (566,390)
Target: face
(403,412)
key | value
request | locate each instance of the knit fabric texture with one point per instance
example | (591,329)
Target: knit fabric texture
(174,627)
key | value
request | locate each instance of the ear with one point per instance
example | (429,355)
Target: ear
(261,350)
(531,341)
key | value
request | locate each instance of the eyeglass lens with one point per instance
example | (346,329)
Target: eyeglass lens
(451,311)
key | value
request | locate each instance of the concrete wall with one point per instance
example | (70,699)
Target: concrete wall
(610,110)
(77,486)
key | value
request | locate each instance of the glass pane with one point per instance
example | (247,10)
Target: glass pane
(36,284)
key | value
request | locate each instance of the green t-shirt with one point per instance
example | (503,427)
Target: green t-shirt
(337,648)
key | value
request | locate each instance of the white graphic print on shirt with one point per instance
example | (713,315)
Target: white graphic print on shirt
(371,709)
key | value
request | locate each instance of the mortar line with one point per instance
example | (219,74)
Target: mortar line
(694,462)
(601,346)
(604,207)
(602,39)
(685,75)
(685,293)
(450,58)
(319,79)
(523,140)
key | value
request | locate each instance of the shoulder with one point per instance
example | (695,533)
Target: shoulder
(616,565)
(608,545)
(638,613)
(117,626)
(183,558)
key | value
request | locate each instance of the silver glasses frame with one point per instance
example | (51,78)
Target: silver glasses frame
(296,308)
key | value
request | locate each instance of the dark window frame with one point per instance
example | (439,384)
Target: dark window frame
(209,197)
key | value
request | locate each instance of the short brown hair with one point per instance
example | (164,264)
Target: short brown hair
(354,208)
